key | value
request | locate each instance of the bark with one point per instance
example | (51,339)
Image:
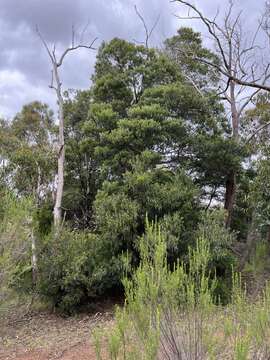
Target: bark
(57,211)
(231,185)
(56,85)
(34,258)
(234,112)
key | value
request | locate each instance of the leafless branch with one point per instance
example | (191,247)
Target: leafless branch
(211,26)
(248,100)
(90,47)
(256,132)
(44,43)
(148,33)
(237,66)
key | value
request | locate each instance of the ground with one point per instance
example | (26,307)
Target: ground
(48,336)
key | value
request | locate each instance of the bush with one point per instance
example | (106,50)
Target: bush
(15,243)
(75,268)
(222,261)
(173,314)
(78,267)
(151,325)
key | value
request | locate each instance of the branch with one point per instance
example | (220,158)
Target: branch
(211,25)
(90,46)
(256,132)
(248,101)
(226,88)
(45,44)
(51,86)
(193,83)
(52,54)
(234,44)
(238,81)
(251,84)
(148,33)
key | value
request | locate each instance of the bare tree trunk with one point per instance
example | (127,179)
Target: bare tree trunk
(34,257)
(57,211)
(231,185)
(57,86)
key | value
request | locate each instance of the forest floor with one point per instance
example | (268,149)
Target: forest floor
(47,336)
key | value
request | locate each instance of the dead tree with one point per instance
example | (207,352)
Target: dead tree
(242,73)
(56,84)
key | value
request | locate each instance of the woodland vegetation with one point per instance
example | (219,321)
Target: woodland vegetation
(153,183)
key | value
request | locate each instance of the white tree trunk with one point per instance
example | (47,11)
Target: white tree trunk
(231,183)
(57,211)
(34,257)
(56,85)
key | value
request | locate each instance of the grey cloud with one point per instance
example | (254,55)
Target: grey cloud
(22,52)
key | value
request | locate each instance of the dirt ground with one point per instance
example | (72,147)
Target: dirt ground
(47,336)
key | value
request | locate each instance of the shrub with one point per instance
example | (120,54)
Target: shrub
(173,314)
(75,268)
(165,310)
(15,243)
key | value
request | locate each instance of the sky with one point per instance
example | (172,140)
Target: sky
(24,64)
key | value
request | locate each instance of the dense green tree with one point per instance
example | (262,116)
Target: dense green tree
(185,48)
(28,150)
(160,152)
(82,175)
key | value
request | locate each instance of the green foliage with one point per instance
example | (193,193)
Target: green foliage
(77,267)
(261,195)
(82,177)
(28,149)
(15,244)
(154,297)
(172,313)
(186,45)
(149,138)
(220,241)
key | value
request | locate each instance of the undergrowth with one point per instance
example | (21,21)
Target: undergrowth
(175,314)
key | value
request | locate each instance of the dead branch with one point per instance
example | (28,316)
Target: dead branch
(256,132)
(148,33)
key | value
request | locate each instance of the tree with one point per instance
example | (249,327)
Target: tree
(83,177)
(32,133)
(182,48)
(56,84)
(31,162)
(238,67)
(155,149)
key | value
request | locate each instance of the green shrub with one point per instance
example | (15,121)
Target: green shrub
(15,243)
(222,260)
(151,325)
(173,314)
(75,268)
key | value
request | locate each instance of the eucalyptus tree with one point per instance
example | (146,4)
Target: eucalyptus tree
(239,67)
(56,84)
(29,162)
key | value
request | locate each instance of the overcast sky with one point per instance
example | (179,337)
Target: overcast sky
(24,65)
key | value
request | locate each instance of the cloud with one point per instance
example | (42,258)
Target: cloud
(15,91)
(24,64)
